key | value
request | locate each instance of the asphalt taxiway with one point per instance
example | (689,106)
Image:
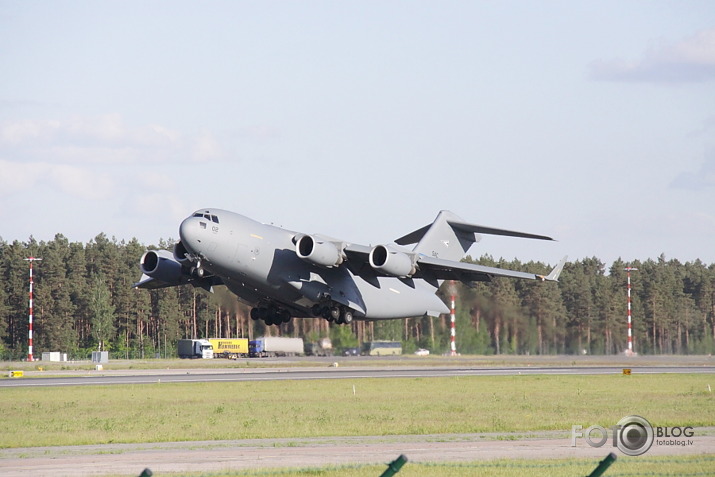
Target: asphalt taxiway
(113,377)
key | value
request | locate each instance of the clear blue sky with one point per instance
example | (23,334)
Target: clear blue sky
(591,121)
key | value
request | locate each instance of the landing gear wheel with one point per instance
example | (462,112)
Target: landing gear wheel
(335,313)
(255,314)
(273,316)
(347,317)
(283,316)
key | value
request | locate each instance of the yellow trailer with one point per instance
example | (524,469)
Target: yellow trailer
(231,348)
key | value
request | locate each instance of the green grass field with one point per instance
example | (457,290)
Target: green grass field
(276,409)
(623,466)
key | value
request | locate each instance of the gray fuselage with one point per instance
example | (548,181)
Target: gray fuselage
(259,263)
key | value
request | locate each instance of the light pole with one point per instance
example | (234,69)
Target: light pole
(629,351)
(29,329)
(452,321)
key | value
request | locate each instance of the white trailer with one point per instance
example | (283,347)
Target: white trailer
(275,346)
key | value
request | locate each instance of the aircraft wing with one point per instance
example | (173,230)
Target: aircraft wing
(149,283)
(432,268)
(357,252)
(468,272)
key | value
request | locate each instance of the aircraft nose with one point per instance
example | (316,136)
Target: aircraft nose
(189,232)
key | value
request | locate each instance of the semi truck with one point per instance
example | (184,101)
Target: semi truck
(230,348)
(195,349)
(270,346)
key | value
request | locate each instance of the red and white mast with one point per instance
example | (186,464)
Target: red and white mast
(29,329)
(452,321)
(629,351)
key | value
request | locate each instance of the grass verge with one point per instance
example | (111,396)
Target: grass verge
(78,415)
(623,466)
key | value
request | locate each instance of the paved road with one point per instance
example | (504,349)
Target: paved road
(85,378)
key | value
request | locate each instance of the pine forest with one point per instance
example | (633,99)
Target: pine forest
(84,301)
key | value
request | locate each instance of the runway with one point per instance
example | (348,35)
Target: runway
(112,377)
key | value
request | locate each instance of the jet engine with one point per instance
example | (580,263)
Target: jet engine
(161,265)
(180,253)
(392,262)
(319,252)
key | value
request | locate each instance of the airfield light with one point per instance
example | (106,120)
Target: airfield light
(629,351)
(29,329)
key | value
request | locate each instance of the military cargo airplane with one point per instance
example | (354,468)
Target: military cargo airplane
(284,274)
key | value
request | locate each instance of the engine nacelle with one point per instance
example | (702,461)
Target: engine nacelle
(161,265)
(319,252)
(180,253)
(392,262)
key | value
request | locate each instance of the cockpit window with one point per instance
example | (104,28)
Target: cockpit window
(207,216)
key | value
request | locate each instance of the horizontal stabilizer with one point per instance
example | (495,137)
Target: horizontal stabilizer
(450,237)
(466,228)
(480,229)
(413,237)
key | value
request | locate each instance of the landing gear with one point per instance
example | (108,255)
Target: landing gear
(341,315)
(335,313)
(283,316)
(198,270)
(271,315)
(257,313)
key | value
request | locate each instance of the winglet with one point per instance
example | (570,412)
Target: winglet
(554,275)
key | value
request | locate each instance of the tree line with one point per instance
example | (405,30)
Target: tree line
(84,301)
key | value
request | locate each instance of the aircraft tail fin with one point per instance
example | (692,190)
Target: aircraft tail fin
(449,237)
